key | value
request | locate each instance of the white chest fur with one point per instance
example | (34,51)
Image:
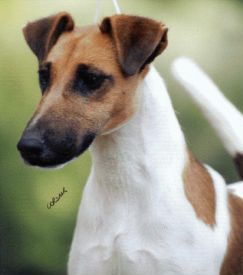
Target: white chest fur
(134,218)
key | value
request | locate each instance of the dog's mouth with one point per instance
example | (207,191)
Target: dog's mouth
(50,160)
(42,154)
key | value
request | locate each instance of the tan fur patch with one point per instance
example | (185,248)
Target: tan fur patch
(69,102)
(233,262)
(138,40)
(199,190)
(106,109)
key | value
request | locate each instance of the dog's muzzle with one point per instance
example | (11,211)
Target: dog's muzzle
(51,149)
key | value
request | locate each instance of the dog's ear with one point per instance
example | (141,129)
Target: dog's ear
(41,35)
(138,40)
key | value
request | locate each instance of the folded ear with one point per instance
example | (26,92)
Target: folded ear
(41,35)
(138,40)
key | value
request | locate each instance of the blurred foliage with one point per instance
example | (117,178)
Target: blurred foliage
(35,240)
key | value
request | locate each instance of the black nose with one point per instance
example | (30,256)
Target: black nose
(30,145)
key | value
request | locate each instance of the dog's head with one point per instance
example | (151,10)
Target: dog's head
(88,77)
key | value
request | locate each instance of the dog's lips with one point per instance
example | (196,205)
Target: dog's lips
(52,159)
(45,166)
(48,161)
(86,142)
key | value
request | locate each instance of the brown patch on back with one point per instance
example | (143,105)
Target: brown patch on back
(233,262)
(199,190)
(239,164)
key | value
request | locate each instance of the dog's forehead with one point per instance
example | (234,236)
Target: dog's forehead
(84,45)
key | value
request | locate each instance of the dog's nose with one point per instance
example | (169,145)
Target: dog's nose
(30,144)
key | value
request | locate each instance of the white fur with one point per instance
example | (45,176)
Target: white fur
(236,188)
(220,112)
(134,218)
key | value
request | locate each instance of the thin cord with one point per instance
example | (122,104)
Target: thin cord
(117,8)
(97,11)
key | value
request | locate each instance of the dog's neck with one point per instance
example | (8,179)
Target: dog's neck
(135,213)
(145,158)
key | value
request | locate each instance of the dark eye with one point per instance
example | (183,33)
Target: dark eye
(87,81)
(92,81)
(44,77)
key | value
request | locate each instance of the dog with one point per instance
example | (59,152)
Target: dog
(149,206)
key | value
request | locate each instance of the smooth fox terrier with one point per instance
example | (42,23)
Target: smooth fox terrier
(149,206)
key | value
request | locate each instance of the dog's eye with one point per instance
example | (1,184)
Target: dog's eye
(92,81)
(87,81)
(44,77)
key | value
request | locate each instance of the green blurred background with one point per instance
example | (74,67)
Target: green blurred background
(35,240)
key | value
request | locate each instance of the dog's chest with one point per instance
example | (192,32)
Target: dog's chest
(119,247)
(129,256)
(126,252)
